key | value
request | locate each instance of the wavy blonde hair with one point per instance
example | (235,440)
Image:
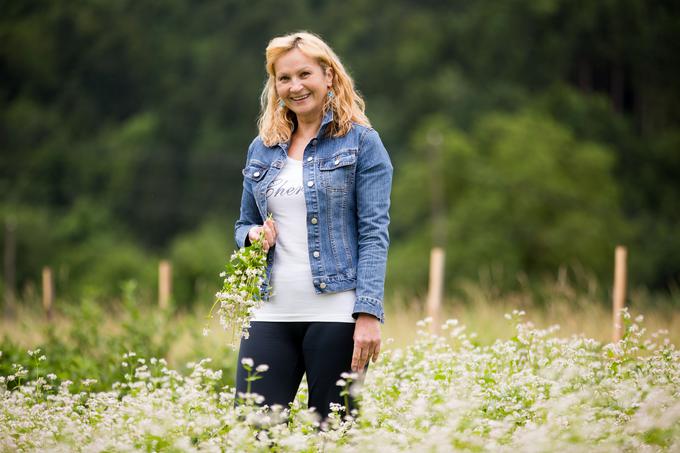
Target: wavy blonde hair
(276,123)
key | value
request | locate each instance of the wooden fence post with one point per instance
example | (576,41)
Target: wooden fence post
(47,292)
(436,288)
(438,212)
(164,283)
(9,268)
(619,292)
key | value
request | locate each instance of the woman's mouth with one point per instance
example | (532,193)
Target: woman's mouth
(299,98)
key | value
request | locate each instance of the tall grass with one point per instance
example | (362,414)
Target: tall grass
(479,308)
(581,307)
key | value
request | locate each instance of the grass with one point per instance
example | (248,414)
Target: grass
(479,309)
(586,311)
(485,318)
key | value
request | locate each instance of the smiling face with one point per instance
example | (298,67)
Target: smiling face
(302,84)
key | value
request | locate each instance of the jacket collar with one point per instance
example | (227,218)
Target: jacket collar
(327,118)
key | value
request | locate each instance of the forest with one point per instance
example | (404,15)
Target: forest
(528,137)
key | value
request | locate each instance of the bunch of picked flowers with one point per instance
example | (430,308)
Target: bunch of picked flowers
(241,290)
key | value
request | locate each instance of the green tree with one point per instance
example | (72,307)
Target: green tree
(522,195)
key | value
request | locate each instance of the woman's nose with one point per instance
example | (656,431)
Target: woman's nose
(295,85)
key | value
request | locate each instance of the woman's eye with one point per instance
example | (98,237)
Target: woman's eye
(305,74)
(283,78)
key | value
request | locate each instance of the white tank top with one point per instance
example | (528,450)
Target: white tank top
(293,296)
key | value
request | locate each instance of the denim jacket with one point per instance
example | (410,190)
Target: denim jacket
(347,182)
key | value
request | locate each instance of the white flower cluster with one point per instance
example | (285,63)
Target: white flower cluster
(534,392)
(241,292)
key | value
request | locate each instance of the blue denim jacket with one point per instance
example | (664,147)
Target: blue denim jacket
(347,182)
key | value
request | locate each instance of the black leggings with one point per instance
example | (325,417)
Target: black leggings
(323,350)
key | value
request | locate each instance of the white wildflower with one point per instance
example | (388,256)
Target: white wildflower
(246,361)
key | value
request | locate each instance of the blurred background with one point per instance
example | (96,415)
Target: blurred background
(529,138)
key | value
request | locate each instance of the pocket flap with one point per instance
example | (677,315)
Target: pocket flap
(255,170)
(341,159)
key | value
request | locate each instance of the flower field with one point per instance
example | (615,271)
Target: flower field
(532,392)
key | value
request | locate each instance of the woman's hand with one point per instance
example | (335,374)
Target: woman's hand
(268,231)
(366,341)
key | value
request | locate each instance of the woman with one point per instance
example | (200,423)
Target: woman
(322,172)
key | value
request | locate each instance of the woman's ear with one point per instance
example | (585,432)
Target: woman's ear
(329,77)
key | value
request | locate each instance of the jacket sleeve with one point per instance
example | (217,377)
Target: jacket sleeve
(249,215)
(373,186)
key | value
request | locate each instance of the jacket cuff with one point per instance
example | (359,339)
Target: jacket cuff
(241,236)
(369,305)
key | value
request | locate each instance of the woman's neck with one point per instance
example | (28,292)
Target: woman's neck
(307,128)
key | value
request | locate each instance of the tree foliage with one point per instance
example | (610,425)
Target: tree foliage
(123,127)
(521,193)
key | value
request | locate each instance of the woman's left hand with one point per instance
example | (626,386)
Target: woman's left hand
(366,341)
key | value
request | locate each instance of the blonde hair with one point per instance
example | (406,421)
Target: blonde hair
(276,123)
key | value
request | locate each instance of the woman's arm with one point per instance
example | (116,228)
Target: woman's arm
(249,215)
(373,186)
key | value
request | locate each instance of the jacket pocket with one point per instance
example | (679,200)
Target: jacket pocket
(255,170)
(337,171)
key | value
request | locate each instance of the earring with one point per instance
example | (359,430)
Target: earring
(281,103)
(331,94)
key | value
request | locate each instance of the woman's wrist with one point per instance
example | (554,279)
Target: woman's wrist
(367,315)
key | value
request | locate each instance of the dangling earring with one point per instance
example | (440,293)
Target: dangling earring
(281,103)
(330,94)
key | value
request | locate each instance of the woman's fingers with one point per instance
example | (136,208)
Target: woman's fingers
(366,341)
(267,232)
(363,352)
(359,357)
(376,352)
(254,233)
(270,228)
(356,357)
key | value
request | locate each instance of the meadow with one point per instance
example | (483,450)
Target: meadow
(526,138)
(502,374)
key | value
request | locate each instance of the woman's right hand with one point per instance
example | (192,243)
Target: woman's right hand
(268,230)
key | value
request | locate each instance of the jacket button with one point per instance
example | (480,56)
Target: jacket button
(322,285)
(309,159)
(337,161)
(256,174)
(316,254)
(314,221)
(310,183)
